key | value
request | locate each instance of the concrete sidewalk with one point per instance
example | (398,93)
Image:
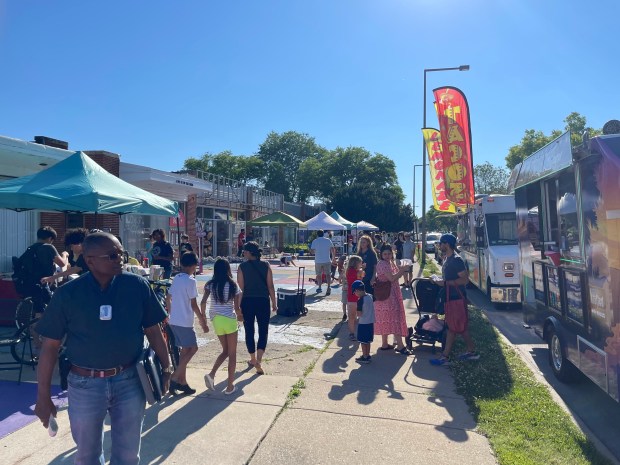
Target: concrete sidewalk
(396,408)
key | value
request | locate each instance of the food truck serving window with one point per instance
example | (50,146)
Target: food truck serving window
(570,250)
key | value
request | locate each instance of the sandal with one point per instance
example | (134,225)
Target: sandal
(259,369)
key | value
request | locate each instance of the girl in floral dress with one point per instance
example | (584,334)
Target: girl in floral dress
(390,313)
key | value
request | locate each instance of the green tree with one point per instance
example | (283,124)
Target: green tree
(282,155)
(359,185)
(490,179)
(534,140)
(440,221)
(237,167)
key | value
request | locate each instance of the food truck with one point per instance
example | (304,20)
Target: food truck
(568,223)
(487,234)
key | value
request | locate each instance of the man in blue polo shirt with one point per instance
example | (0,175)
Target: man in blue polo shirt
(104,315)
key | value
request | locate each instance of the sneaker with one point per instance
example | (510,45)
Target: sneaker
(185,389)
(318,289)
(329,291)
(352,337)
(363,360)
(469,356)
(440,361)
(209,382)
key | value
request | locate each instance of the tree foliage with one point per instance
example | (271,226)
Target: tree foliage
(534,140)
(440,221)
(490,179)
(359,185)
(241,168)
(282,156)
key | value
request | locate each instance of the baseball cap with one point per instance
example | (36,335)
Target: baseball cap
(357,285)
(448,239)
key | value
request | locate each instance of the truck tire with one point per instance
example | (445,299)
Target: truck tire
(562,368)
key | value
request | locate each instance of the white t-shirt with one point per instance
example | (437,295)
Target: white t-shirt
(322,247)
(408,247)
(182,290)
(226,308)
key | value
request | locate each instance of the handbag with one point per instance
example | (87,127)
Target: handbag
(382,290)
(456,312)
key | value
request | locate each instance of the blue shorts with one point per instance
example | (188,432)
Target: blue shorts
(365,333)
(184,337)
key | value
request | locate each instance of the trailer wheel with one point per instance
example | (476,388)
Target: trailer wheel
(562,368)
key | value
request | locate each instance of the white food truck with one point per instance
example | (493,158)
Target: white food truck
(487,238)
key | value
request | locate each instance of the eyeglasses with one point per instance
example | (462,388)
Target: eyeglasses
(111,256)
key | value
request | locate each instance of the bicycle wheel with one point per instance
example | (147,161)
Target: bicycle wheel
(23,351)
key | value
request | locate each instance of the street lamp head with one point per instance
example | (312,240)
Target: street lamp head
(464,68)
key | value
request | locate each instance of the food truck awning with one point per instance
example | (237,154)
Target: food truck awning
(553,157)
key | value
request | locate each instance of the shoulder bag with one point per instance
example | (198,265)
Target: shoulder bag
(382,290)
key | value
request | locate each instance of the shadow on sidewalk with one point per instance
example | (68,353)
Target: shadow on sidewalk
(160,438)
(368,380)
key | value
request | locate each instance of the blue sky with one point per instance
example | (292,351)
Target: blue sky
(159,81)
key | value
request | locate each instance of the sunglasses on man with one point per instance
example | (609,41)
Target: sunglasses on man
(112,256)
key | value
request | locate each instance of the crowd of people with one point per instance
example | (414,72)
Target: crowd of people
(107,309)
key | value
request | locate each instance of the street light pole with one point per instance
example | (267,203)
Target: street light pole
(429,70)
(413,205)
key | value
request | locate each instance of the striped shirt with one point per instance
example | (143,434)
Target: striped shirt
(226,308)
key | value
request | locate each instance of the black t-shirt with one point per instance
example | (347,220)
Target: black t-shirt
(370,259)
(399,249)
(44,264)
(452,266)
(94,343)
(82,264)
(255,278)
(185,247)
(162,249)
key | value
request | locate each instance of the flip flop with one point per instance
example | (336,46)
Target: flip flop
(388,347)
(259,369)
(227,393)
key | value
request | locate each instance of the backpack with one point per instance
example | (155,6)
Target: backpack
(25,276)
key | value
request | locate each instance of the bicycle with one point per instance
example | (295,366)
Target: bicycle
(161,290)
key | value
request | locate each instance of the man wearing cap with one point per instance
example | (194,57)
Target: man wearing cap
(454,274)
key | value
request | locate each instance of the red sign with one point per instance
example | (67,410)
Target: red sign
(172,221)
(453,114)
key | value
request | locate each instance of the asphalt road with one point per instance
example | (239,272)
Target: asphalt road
(592,407)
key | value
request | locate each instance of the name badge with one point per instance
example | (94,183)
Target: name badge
(105,312)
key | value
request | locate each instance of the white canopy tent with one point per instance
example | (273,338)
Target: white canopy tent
(325,222)
(364,225)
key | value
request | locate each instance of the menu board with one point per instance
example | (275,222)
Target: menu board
(574,296)
(539,282)
(553,291)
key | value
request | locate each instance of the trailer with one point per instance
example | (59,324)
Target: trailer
(568,222)
(487,237)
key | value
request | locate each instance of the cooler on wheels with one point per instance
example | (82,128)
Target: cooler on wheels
(291,302)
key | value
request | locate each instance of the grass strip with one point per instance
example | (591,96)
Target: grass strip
(517,413)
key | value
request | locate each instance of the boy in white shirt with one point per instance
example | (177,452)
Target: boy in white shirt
(181,304)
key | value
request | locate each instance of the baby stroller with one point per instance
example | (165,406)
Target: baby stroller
(429,329)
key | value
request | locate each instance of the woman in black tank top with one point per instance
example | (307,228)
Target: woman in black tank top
(256,282)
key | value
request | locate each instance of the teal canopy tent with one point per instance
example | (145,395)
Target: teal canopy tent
(78,184)
(343,221)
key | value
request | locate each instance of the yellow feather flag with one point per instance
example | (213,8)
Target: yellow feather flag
(432,137)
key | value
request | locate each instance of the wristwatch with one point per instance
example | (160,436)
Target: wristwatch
(168,370)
